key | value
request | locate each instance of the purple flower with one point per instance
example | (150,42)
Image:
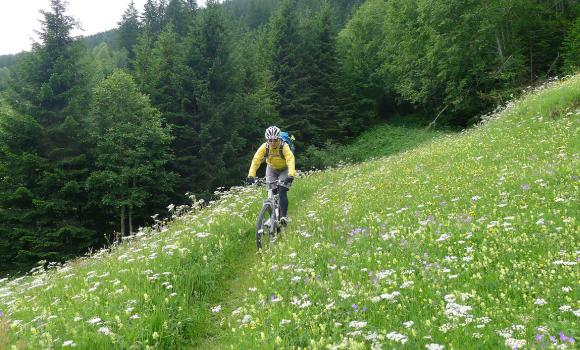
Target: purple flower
(1,313)
(355,307)
(273,297)
(364,309)
(526,187)
(563,337)
(539,337)
(572,340)
(553,339)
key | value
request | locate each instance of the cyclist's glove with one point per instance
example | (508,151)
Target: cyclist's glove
(250,180)
(289,180)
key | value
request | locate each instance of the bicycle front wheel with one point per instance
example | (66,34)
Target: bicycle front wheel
(265,226)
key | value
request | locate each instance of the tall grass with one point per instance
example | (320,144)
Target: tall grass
(469,241)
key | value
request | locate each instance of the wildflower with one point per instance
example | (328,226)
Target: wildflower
(540,302)
(398,337)
(565,308)
(105,331)
(355,307)
(94,320)
(515,343)
(69,343)
(357,324)
(408,324)
(216,309)
(539,337)
(433,346)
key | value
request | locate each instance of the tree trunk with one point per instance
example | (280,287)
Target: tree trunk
(499,48)
(131,210)
(130,219)
(122,220)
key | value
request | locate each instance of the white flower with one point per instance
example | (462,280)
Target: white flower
(78,318)
(94,320)
(398,337)
(202,234)
(565,308)
(135,317)
(69,343)
(105,330)
(390,296)
(515,343)
(216,309)
(357,324)
(284,321)
(540,302)
(408,324)
(247,319)
(566,289)
(433,346)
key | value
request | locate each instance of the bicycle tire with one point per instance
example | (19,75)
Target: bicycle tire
(262,229)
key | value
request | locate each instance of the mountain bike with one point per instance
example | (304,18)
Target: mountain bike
(268,227)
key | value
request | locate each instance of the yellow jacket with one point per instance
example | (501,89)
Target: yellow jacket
(274,160)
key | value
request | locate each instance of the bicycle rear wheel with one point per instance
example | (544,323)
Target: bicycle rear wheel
(265,226)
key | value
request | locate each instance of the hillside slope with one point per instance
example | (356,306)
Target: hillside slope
(468,241)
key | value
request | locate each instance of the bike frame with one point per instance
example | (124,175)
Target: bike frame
(272,224)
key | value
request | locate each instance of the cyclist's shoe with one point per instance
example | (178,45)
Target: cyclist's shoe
(284,221)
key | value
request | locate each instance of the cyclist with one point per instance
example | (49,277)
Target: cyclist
(280,166)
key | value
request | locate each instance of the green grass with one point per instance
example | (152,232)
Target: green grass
(381,141)
(471,237)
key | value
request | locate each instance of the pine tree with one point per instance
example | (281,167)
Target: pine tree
(288,70)
(180,14)
(129,28)
(50,87)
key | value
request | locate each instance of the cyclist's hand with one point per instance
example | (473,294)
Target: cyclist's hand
(288,180)
(250,180)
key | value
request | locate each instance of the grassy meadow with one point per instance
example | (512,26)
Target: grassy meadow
(467,241)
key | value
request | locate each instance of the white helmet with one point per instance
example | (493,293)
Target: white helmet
(272,133)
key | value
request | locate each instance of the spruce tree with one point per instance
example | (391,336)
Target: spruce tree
(50,86)
(129,28)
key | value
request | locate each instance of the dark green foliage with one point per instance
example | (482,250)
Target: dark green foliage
(132,149)
(180,13)
(129,30)
(571,48)
(48,98)
(449,59)
(214,78)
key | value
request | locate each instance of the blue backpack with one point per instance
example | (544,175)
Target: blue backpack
(286,139)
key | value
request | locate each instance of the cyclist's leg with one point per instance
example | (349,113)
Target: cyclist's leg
(272,178)
(283,189)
